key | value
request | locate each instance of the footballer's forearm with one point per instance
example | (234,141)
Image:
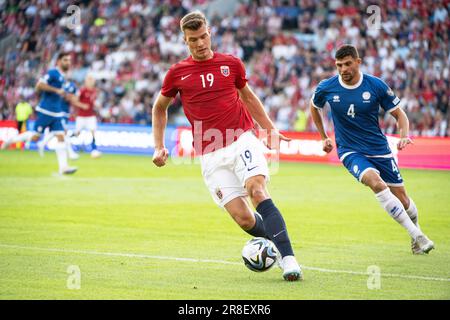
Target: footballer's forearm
(42,86)
(402,122)
(260,116)
(80,105)
(75,101)
(318,121)
(159,119)
(256,108)
(159,123)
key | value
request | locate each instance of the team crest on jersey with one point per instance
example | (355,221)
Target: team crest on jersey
(366,95)
(336,99)
(225,70)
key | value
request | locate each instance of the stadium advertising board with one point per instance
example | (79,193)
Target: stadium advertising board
(429,153)
(8,129)
(110,138)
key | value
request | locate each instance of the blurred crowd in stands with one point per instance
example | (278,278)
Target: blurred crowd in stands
(287,47)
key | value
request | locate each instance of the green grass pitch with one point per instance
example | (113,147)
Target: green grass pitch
(140,232)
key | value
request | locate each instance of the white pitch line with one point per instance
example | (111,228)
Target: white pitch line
(145,256)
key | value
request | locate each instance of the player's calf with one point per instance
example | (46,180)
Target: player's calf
(241,213)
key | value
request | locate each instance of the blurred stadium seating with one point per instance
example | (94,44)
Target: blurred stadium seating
(287,46)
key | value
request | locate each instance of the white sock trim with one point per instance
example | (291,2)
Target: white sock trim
(365,171)
(383,195)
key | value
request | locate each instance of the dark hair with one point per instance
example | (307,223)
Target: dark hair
(193,21)
(346,50)
(62,55)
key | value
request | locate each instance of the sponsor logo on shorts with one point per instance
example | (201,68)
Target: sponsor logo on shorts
(219,194)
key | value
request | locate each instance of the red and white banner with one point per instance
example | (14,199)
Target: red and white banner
(425,153)
(429,153)
(8,129)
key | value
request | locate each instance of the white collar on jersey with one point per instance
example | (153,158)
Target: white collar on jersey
(356,85)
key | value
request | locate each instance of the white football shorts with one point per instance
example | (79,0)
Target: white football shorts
(86,123)
(225,171)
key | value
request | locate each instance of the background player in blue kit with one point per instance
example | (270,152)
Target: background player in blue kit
(71,97)
(354,99)
(49,113)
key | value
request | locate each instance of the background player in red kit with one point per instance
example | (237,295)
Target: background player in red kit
(220,106)
(86,118)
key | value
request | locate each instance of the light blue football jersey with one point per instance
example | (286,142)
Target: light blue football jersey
(69,87)
(50,103)
(355,112)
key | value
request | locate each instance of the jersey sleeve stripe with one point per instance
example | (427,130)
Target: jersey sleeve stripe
(312,102)
(394,108)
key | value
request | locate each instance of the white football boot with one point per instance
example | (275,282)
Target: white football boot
(69,170)
(421,245)
(415,247)
(291,269)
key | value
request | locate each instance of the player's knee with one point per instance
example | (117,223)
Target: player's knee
(257,191)
(374,181)
(378,185)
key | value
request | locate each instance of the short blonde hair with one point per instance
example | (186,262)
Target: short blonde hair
(193,21)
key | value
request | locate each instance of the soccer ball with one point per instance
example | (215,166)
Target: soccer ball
(259,254)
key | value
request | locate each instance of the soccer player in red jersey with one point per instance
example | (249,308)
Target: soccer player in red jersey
(86,118)
(220,106)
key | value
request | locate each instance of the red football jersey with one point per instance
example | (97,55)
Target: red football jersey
(210,98)
(87,96)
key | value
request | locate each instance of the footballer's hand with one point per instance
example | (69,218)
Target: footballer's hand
(403,143)
(160,157)
(84,106)
(327,145)
(274,139)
